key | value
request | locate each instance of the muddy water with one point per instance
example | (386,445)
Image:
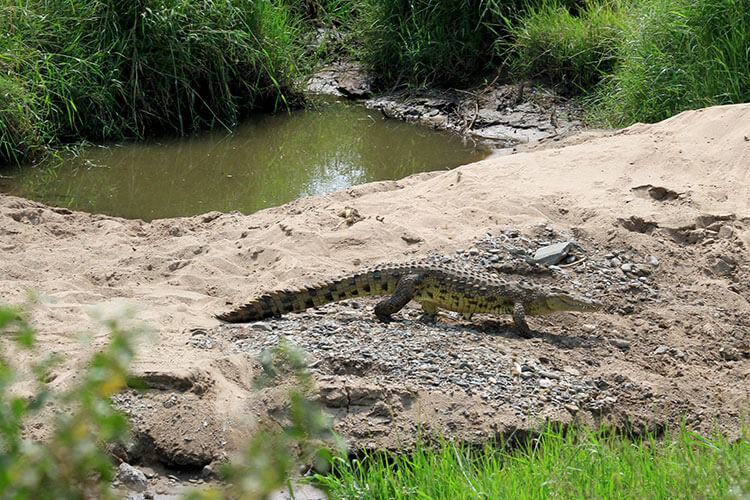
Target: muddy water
(267,162)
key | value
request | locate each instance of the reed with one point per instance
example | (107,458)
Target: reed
(678,55)
(429,42)
(90,69)
(566,46)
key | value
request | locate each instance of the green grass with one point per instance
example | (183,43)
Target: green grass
(89,69)
(429,42)
(568,50)
(577,464)
(678,55)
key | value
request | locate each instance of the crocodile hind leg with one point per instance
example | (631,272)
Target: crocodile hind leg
(519,318)
(404,292)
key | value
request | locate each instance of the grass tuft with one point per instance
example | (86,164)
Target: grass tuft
(429,42)
(573,464)
(88,69)
(678,55)
(569,50)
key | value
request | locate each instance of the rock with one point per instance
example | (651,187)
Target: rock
(259,325)
(588,328)
(620,343)
(572,371)
(573,409)
(627,267)
(411,238)
(726,232)
(653,261)
(131,477)
(662,349)
(552,254)
(354,86)
(729,354)
(546,383)
(549,375)
(207,472)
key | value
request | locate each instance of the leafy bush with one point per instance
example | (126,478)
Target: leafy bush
(19,138)
(678,55)
(72,463)
(573,51)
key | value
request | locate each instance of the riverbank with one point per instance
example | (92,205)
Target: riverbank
(671,345)
(493,114)
(175,68)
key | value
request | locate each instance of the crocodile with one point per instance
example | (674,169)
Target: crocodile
(432,283)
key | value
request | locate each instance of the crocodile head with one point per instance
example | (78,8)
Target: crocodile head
(565,302)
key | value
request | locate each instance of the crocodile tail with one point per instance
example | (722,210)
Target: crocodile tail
(297,300)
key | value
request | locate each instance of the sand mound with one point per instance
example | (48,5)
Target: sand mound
(678,190)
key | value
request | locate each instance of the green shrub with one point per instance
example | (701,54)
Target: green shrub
(106,70)
(427,42)
(72,463)
(678,55)
(573,51)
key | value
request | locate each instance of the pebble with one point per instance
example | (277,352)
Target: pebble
(546,383)
(263,326)
(620,343)
(588,328)
(662,349)
(573,409)
(131,477)
(552,254)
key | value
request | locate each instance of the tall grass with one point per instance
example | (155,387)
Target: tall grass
(429,42)
(566,46)
(577,464)
(678,55)
(103,70)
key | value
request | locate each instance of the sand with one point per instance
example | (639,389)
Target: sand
(678,190)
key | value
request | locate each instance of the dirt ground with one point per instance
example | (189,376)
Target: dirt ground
(672,345)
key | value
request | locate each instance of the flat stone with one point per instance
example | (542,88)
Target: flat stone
(620,343)
(552,254)
(262,326)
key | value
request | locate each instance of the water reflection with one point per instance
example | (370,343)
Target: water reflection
(269,161)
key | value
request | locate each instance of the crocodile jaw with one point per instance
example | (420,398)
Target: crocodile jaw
(571,303)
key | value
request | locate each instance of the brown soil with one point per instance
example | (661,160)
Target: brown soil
(675,349)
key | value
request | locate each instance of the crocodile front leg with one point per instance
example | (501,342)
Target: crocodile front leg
(519,318)
(430,312)
(404,292)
